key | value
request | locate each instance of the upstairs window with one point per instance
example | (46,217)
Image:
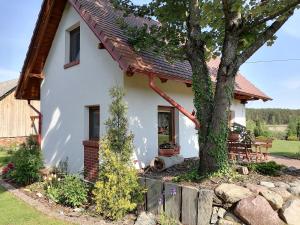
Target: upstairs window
(75,44)
(94,122)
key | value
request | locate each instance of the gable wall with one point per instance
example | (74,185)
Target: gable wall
(15,117)
(65,93)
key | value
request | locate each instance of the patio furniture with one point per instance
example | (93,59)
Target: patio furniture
(263,145)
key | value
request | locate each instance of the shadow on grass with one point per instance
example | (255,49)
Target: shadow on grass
(287,154)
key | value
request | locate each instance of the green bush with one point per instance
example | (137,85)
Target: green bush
(27,161)
(117,192)
(292,138)
(69,191)
(266,168)
(191,176)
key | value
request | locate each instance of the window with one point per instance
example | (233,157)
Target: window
(94,122)
(75,44)
(166,125)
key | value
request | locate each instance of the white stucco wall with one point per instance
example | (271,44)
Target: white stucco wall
(65,93)
(239,112)
(143,104)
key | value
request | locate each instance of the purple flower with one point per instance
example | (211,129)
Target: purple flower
(160,201)
(173,191)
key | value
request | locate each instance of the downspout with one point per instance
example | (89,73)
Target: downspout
(40,122)
(189,115)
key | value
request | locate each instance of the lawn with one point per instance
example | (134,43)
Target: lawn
(286,148)
(15,212)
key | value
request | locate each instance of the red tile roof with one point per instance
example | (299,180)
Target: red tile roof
(101,17)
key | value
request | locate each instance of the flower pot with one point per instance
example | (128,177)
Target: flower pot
(168,152)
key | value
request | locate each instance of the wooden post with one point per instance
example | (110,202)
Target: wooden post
(205,202)
(189,205)
(173,200)
(154,203)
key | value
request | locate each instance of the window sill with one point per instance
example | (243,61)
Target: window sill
(71,64)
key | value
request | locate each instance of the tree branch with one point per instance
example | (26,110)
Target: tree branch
(290,5)
(263,38)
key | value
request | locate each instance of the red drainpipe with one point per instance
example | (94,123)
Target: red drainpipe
(189,115)
(40,122)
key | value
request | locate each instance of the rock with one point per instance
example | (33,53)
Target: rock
(255,188)
(214,215)
(78,210)
(267,184)
(281,184)
(295,183)
(39,195)
(221,213)
(217,201)
(294,190)
(257,211)
(275,200)
(232,193)
(227,222)
(290,212)
(282,192)
(145,219)
(242,170)
(291,169)
(205,201)
(231,217)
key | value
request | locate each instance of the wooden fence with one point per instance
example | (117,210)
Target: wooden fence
(189,205)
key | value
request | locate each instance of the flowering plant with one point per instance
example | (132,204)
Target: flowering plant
(6,171)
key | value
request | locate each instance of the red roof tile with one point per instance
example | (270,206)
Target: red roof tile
(101,17)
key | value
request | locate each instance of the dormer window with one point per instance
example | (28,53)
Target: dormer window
(75,44)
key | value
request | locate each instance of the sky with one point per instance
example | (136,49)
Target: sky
(279,80)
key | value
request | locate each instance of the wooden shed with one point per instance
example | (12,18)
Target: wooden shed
(17,119)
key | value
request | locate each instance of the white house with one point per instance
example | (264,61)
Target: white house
(76,55)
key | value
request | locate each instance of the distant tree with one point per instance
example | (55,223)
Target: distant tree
(298,130)
(258,131)
(196,30)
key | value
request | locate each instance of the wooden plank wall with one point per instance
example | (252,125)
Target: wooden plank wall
(15,117)
(189,205)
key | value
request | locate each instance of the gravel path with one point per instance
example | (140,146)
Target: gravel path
(285,161)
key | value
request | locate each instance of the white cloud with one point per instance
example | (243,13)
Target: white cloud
(6,74)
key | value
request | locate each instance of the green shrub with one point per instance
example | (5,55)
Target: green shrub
(27,162)
(266,168)
(292,138)
(117,192)
(69,191)
(191,176)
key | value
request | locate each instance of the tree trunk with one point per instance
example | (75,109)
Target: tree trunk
(213,108)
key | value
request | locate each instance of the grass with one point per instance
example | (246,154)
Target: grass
(16,212)
(289,149)
(4,158)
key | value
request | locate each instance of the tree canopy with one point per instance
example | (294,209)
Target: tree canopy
(196,30)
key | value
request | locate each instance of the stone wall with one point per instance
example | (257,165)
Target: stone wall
(229,204)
